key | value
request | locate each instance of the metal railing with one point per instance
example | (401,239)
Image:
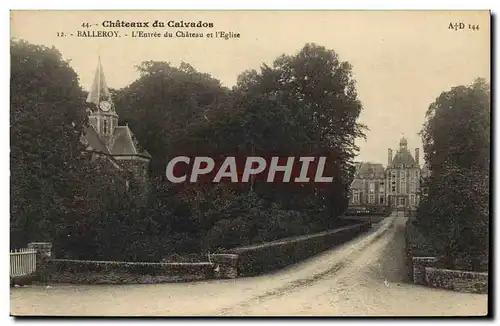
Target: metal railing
(22,262)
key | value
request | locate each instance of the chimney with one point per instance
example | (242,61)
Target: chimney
(389,157)
(417,156)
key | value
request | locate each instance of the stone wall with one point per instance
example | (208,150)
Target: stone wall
(43,257)
(242,261)
(109,272)
(269,256)
(461,281)
(226,265)
(425,272)
(419,265)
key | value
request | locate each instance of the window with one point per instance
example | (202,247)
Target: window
(402,201)
(371,187)
(393,189)
(381,199)
(415,186)
(412,200)
(355,197)
(105,126)
(402,186)
(371,199)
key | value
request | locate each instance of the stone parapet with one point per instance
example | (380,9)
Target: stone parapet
(43,248)
(419,265)
(43,258)
(226,265)
(456,280)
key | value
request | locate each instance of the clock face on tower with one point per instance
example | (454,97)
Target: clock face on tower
(105,106)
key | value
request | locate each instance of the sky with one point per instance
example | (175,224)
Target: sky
(402,60)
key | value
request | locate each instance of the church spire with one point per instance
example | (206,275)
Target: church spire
(99,91)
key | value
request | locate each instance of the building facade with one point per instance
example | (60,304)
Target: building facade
(396,186)
(105,139)
(368,187)
(403,177)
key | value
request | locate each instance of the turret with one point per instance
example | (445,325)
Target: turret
(403,143)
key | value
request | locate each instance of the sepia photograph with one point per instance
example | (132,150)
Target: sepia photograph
(250,163)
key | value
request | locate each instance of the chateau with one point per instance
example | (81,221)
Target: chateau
(397,185)
(106,139)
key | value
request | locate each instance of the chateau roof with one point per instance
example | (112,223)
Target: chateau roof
(356,184)
(403,156)
(367,170)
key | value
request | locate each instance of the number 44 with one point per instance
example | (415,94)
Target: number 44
(474,27)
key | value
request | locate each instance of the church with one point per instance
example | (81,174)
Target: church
(106,139)
(395,186)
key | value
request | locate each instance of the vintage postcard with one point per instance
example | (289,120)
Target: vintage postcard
(250,163)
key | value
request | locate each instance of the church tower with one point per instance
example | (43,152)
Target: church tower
(105,138)
(102,113)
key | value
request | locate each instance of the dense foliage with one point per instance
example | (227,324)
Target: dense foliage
(305,104)
(46,118)
(58,192)
(454,215)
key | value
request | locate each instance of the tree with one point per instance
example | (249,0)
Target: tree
(108,221)
(164,104)
(457,128)
(455,212)
(306,104)
(47,118)
(167,108)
